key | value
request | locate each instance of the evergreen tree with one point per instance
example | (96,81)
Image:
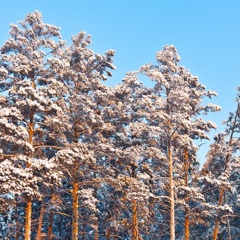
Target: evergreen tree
(25,77)
(175,106)
(81,71)
(220,179)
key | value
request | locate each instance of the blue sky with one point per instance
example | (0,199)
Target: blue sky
(206,34)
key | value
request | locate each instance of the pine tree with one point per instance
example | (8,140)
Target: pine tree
(220,172)
(127,157)
(25,77)
(81,71)
(174,112)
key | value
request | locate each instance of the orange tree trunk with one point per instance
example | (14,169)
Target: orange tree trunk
(50,223)
(134,220)
(186,168)
(171,194)
(215,233)
(75,211)
(134,209)
(96,235)
(28,198)
(220,202)
(40,221)
(96,231)
(28,218)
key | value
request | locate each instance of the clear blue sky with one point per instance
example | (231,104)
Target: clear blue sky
(206,34)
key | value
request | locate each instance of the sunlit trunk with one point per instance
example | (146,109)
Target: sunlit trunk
(220,202)
(135,233)
(170,173)
(134,220)
(172,200)
(40,222)
(28,218)
(75,210)
(186,169)
(28,198)
(171,194)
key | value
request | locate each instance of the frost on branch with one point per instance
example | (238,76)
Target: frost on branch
(88,199)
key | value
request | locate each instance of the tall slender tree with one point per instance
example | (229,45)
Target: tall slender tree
(220,174)
(175,108)
(82,74)
(24,71)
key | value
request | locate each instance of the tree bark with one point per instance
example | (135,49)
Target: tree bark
(17,219)
(28,198)
(220,202)
(50,220)
(40,221)
(28,218)
(96,230)
(134,208)
(50,223)
(215,233)
(186,169)
(171,194)
(134,220)
(75,210)
(96,234)
(109,234)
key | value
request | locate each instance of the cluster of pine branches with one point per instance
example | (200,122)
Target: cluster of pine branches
(81,160)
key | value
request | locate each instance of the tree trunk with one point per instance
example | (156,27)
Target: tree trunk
(186,168)
(28,198)
(60,226)
(109,234)
(134,220)
(75,211)
(96,230)
(96,235)
(50,220)
(17,218)
(50,223)
(171,194)
(229,232)
(220,202)
(28,218)
(134,208)
(40,221)
(215,234)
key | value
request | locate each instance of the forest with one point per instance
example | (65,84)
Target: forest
(83,160)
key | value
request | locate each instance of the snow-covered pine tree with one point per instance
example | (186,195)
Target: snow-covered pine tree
(174,114)
(81,71)
(219,180)
(129,191)
(29,106)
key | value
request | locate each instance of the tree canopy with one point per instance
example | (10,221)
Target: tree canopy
(82,160)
